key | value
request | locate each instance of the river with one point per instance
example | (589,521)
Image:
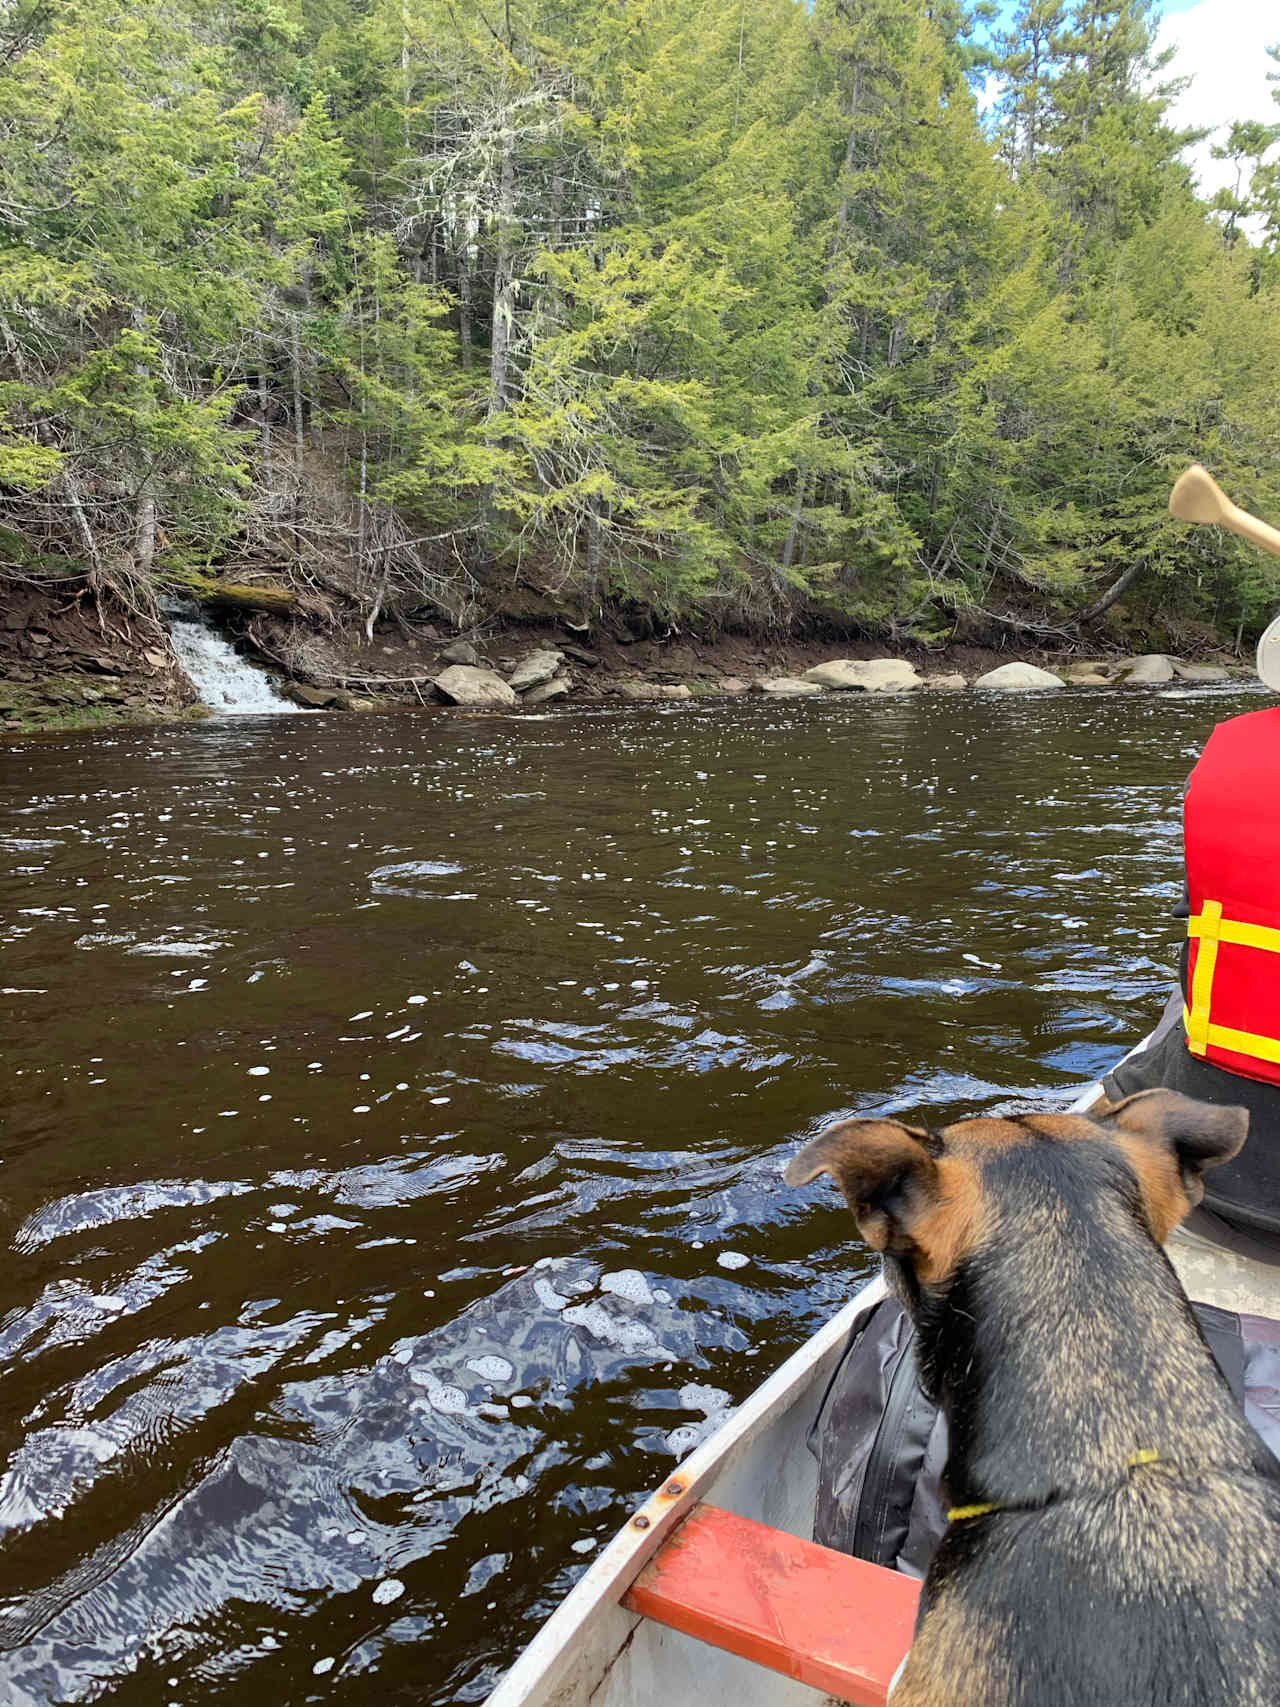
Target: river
(393,1111)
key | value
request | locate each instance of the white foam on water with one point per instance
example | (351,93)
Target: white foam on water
(442,1396)
(546,1294)
(628,1283)
(695,1396)
(387,1591)
(621,1331)
(682,1440)
(732,1259)
(196,948)
(491,1368)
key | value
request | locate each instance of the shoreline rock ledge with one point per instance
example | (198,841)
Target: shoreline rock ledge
(536,670)
(468,684)
(865,675)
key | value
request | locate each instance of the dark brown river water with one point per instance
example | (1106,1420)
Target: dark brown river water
(392,1117)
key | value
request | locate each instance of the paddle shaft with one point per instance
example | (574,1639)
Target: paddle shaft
(1250,528)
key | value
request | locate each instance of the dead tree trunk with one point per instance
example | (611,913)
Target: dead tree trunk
(464,304)
(1115,591)
(504,284)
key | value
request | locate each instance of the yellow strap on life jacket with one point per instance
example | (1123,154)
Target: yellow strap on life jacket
(1238,1042)
(1208,924)
(1232,930)
(1210,928)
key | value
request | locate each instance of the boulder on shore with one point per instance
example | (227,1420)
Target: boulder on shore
(319,699)
(1200,672)
(556,688)
(1149,670)
(465,684)
(1088,670)
(951,682)
(1018,678)
(785,687)
(539,667)
(460,652)
(867,675)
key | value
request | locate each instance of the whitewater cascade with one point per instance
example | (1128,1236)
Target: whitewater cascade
(225,682)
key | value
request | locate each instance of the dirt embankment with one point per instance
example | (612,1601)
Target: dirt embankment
(65,664)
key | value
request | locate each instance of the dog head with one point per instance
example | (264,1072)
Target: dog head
(931,1199)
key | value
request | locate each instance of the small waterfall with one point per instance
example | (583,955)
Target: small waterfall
(225,682)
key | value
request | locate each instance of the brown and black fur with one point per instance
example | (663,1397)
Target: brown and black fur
(1055,1334)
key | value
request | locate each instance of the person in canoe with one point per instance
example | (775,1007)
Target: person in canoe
(881,1444)
(1219,1037)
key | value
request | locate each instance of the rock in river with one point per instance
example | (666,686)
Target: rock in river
(1200,672)
(320,699)
(870,675)
(1149,670)
(464,684)
(1018,678)
(785,687)
(1087,670)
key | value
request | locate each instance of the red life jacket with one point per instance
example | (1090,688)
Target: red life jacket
(1231,822)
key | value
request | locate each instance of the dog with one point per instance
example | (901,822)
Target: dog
(1115,1536)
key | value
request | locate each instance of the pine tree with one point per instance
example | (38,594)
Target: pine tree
(126,282)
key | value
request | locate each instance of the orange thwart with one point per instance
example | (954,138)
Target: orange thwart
(833,1622)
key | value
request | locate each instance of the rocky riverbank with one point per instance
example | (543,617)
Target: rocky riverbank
(64,664)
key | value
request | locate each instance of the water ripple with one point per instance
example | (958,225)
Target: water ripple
(394,1115)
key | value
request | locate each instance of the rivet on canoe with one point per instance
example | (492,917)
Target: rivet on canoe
(640,1521)
(674,1488)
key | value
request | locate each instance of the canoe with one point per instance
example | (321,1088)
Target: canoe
(712,1591)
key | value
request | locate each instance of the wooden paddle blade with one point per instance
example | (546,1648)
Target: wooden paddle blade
(1197,497)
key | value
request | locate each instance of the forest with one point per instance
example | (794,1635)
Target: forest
(739,314)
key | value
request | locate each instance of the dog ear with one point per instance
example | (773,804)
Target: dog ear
(1200,1134)
(884,1170)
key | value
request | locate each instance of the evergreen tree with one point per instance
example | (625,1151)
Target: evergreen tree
(734,310)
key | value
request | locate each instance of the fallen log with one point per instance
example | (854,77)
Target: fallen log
(231,595)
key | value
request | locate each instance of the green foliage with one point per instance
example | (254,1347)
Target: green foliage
(737,308)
